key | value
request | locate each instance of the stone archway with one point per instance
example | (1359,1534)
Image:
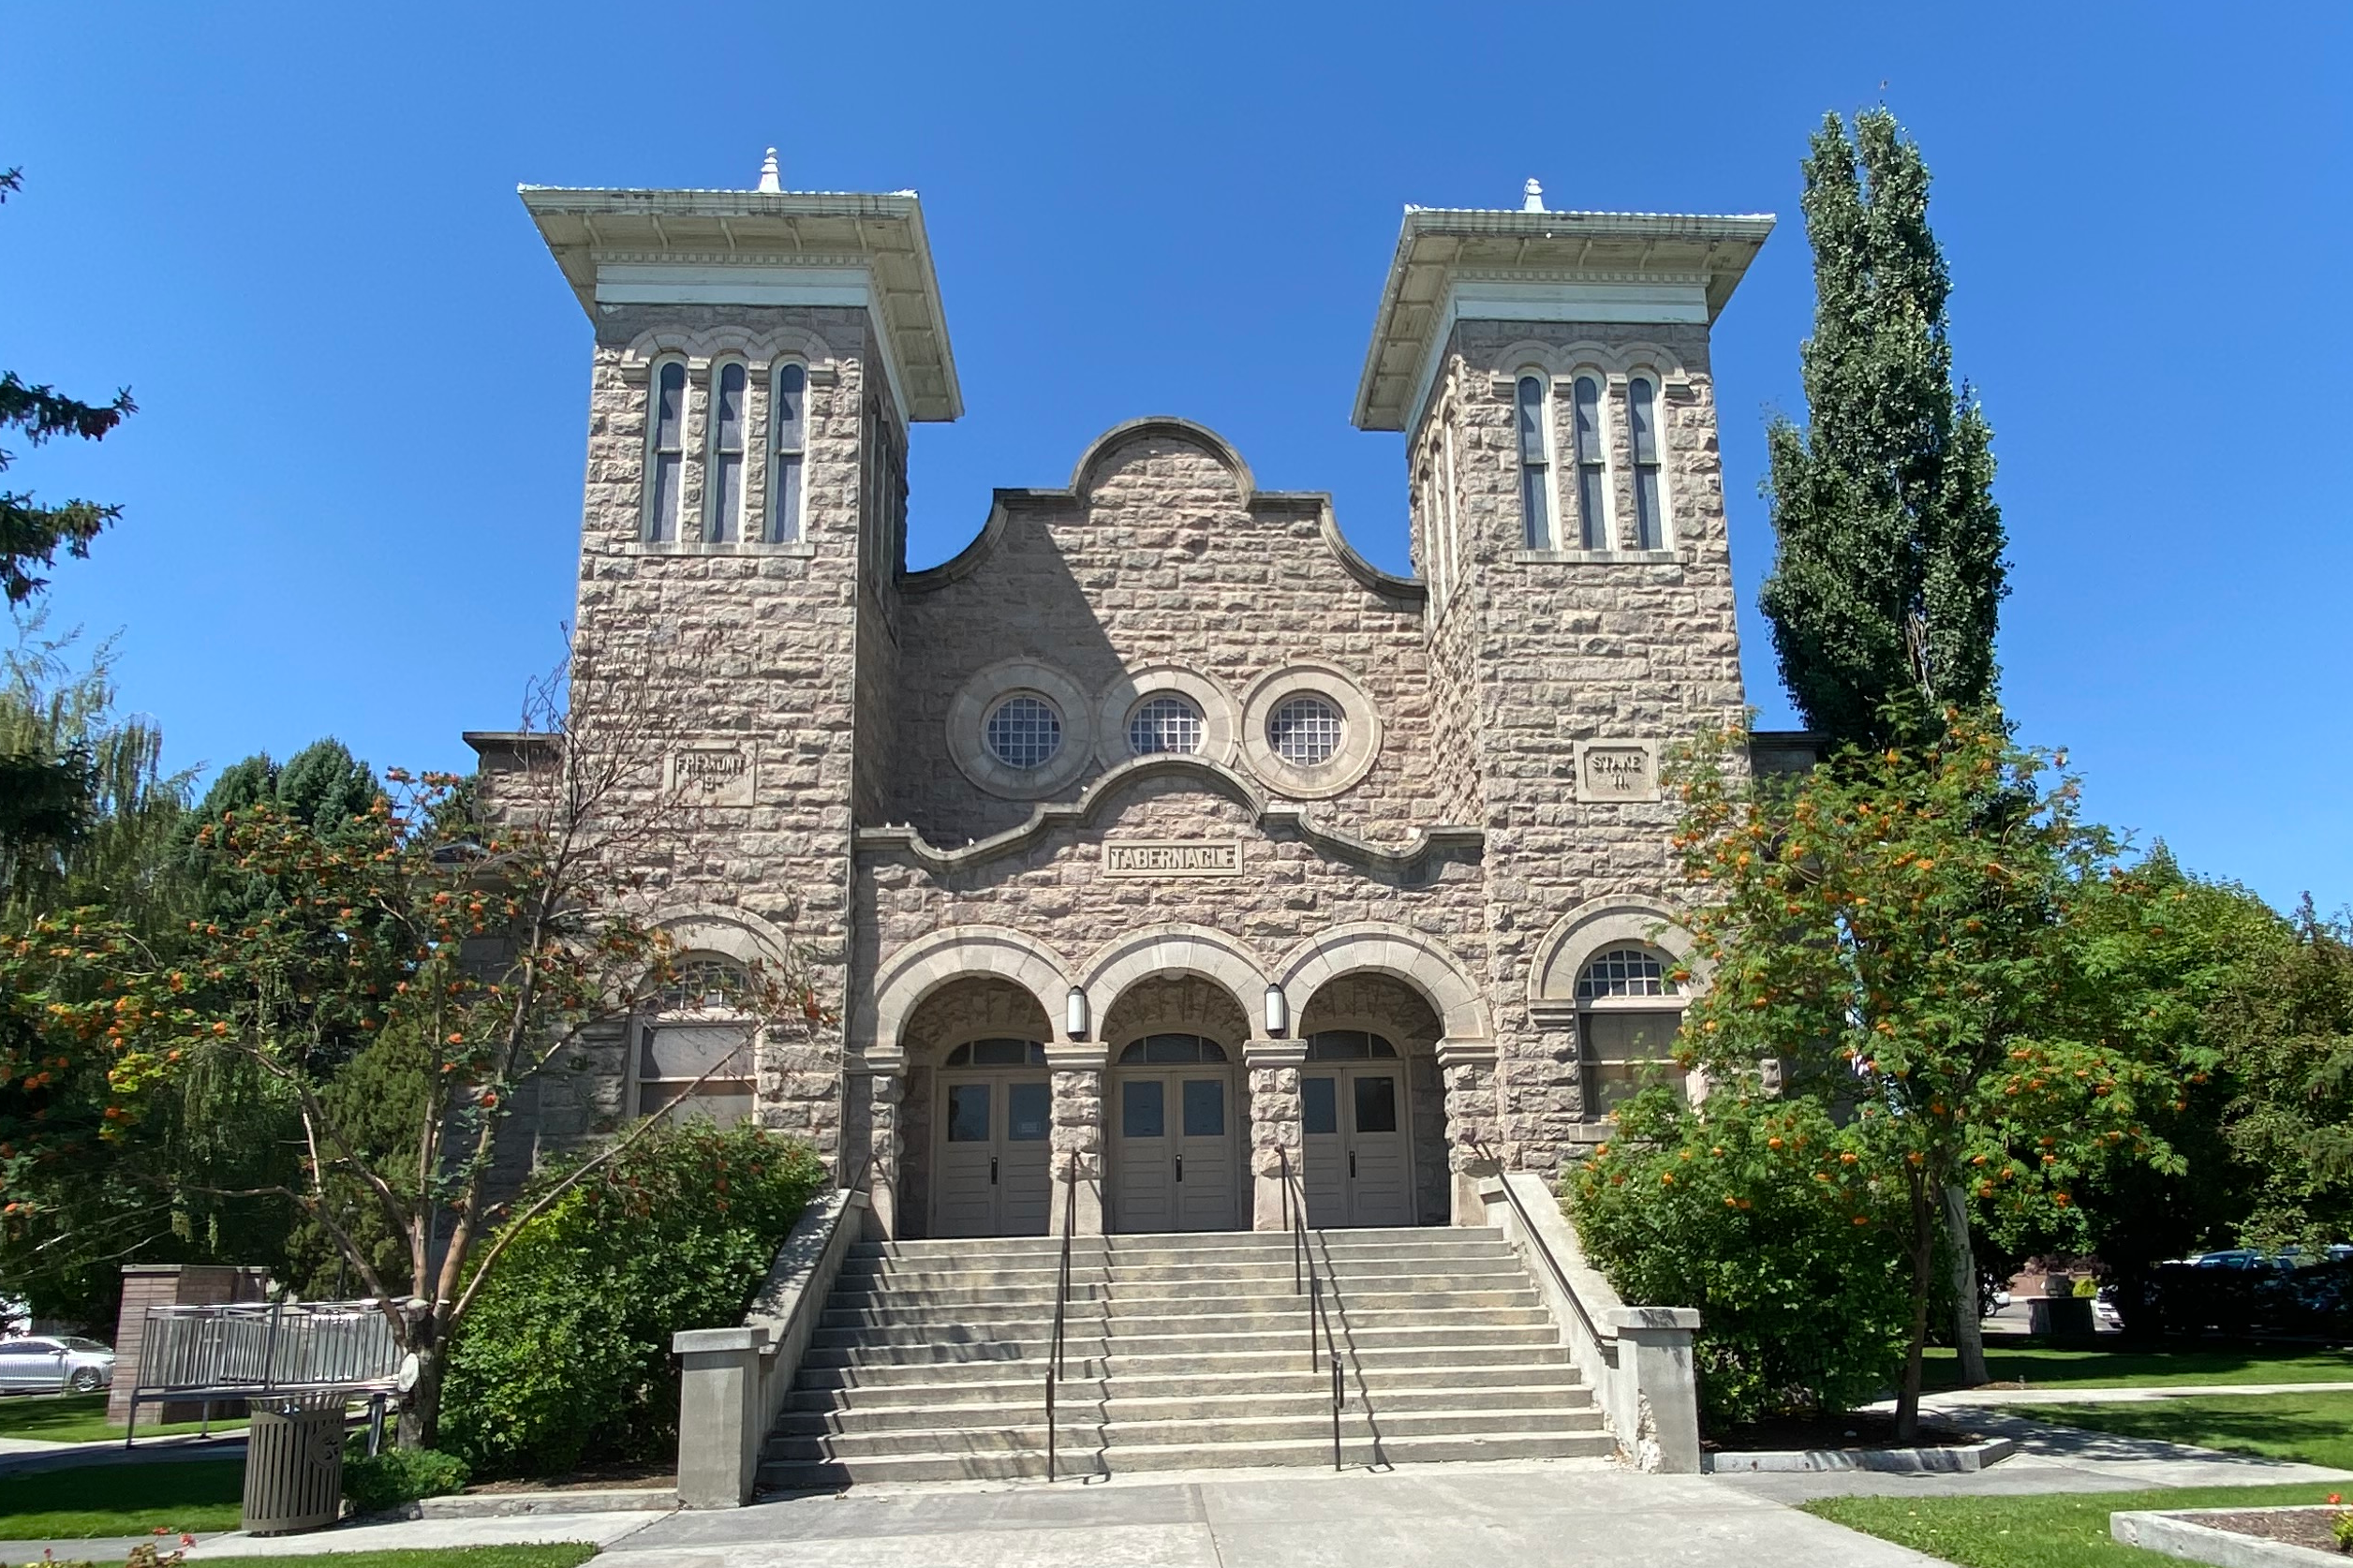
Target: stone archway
(973,1008)
(1177,1108)
(1383,1007)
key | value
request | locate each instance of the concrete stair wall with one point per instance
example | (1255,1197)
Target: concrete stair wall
(1180,1352)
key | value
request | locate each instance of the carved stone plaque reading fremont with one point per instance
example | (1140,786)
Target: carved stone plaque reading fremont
(1172,857)
(712,772)
(1625,770)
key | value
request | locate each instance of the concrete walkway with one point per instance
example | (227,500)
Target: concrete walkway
(1978,1398)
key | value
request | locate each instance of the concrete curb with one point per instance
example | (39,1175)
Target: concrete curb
(497,1505)
(2182,1536)
(1902,1461)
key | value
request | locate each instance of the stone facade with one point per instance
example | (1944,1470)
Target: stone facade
(1437,884)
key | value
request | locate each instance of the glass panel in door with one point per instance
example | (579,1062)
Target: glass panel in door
(964,1201)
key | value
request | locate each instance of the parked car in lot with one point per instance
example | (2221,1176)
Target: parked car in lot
(52,1364)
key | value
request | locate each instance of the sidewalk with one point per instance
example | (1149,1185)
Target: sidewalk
(1978,1398)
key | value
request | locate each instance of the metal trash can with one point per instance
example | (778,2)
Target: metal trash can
(294,1464)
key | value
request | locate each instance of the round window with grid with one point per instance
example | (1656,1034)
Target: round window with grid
(1624,972)
(1166,723)
(1305,732)
(1023,732)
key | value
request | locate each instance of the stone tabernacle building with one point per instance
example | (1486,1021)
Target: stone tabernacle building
(1157,837)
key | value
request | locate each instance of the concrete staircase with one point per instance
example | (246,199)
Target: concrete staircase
(1180,1352)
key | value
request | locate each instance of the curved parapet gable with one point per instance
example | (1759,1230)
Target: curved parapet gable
(1406,593)
(1052,816)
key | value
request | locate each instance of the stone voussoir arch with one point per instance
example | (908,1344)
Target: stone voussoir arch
(1174,949)
(1375,947)
(1604,922)
(956,953)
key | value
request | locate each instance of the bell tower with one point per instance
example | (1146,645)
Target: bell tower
(1550,373)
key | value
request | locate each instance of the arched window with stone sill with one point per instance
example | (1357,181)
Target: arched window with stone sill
(691,1054)
(1629,1005)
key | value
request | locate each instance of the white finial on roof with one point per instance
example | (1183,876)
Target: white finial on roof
(1533,202)
(769,180)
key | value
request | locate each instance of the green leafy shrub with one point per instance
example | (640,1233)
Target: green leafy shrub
(565,1358)
(1753,1211)
(398,1475)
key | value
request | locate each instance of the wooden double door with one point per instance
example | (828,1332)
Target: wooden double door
(1178,1126)
(991,1169)
(1357,1142)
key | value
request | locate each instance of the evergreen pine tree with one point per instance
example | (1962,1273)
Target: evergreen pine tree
(1889,576)
(31,535)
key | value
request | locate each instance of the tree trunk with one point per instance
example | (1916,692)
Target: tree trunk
(421,1406)
(1968,1330)
(1923,1275)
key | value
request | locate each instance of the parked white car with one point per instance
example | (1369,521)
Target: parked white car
(52,1364)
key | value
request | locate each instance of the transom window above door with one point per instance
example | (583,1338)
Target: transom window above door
(1171,1048)
(1348,1045)
(997,1052)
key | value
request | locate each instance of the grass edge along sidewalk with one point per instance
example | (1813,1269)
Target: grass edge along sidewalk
(82,1418)
(102,1499)
(2315,1428)
(2038,1529)
(559,1554)
(2009,1359)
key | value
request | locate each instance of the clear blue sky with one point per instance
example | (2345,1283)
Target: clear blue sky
(352,489)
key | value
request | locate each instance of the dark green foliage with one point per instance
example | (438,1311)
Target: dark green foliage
(398,1475)
(1889,577)
(31,535)
(565,1358)
(1744,1210)
(375,1100)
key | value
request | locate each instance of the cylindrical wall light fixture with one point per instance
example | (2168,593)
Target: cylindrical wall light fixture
(1074,1014)
(1277,1011)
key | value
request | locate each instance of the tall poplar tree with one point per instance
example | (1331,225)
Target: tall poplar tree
(1889,575)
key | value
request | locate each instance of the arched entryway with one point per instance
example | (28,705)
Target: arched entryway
(1372,1108)
(1177,1107)
(976,1120)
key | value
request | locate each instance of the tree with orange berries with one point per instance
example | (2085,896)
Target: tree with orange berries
(480,944)
(1891,933)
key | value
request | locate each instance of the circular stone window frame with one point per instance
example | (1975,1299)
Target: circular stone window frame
(968,720)
(1360,740)
(1220,716)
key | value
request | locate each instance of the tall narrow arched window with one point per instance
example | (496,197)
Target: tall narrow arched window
(1536,463)
(665,448)
(694,1042)
(1642,421)
(788,417)
(725,481)
(1592,511)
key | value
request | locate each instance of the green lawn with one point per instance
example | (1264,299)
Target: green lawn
(122,1499)
(80,1418)
(2064,1529)
(2316,1429)
(2011,1359)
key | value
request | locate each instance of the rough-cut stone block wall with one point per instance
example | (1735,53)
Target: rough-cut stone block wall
(1559,652)
(759,646)
(1159,560)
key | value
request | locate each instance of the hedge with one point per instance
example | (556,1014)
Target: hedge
(565,1358)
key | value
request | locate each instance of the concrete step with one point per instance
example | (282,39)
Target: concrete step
(859,1347)
(1300,1397)
(1236,1429)
(913,1323)
(1081,1455)
(1012,1382)
(883,1309)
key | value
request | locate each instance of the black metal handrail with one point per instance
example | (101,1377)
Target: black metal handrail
(1528,1225)
(1061,1305)
(1294,1208)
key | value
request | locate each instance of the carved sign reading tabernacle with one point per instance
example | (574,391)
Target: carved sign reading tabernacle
(1618,770)
(712,774)
(1172,857)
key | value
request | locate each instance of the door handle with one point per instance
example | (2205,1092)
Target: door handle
(992,1173)
(1181,1167)
(1351,1165)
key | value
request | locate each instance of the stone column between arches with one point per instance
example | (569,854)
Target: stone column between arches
(1468,1070)
(1078,1137)
(884,1090)
(1275,1125)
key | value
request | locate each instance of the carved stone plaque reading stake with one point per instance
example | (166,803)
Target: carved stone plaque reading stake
(1172,857)
(1622,770)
